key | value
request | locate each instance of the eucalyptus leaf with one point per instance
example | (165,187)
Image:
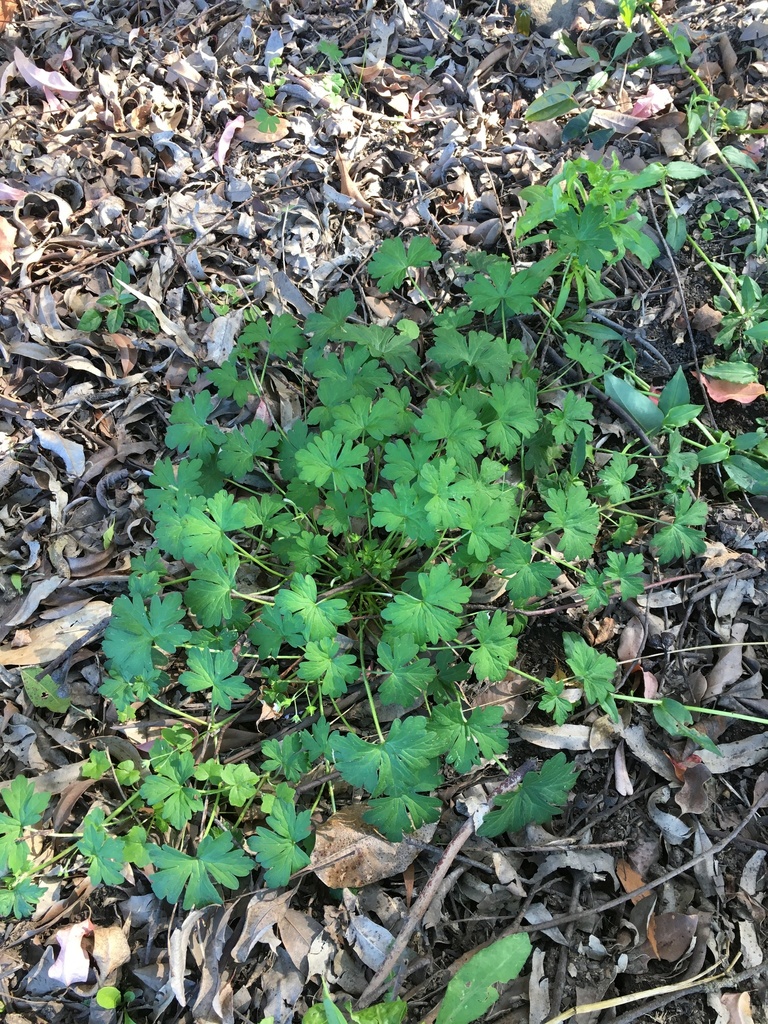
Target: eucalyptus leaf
(553,103)
(639,406)
(748,474)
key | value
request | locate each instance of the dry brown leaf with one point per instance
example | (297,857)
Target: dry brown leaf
(349,853)
(727,52)
(110,951)
(728,391)
(632,639)
(44,643)
(693,798)
(671,935)
(7,10)
(629,878)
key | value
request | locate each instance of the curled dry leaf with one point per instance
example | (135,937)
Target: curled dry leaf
(349,853)
(110,951)
(654,101)
(738,1007)
(632,639)
(728,391)
(693,798)
(623,781)
(226,138)
(707,318)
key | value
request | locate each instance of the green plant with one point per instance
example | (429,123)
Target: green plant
(345,555)
(422,66)
(118,303)
(111,998)
(595,222)
(470,993)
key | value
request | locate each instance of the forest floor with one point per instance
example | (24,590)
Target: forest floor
(240,159)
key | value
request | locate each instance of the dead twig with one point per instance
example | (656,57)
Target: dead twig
(429,891)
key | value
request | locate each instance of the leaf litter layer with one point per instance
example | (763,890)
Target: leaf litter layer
(451,546)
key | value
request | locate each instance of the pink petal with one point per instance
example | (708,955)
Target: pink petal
(71,965)
(226,139)
(41,79)
(654,101)
(263,413)
(9,194)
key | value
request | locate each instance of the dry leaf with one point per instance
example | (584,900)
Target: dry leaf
(672,935)
(693,798)
(629,878)
(728,391)
(349,853)
(654,101)
(226,138)
(738,1006)
(51,82)
(7,10)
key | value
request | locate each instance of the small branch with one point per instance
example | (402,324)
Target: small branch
(419,909)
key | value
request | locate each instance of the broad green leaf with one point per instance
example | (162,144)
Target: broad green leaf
(330,323)
(90,320)
(189,430)
(244,446)
(538,798)
(328,462)
(277,848)
(209,593)
(214,671)
(615,477)
(471,992)
(216,860)
(675,719)
(639,406)
(104,853)
(627,10)
(25,806)
(466,739)
(526,578)
(748,475)
(167,789)
(595,671)
(391,263)
(429,609)
(402,769)
(449,422)
(392,344)
(576,516)
(680,538)
(133,633)
(681,170)
(320,618)
(677,231)
(43,692)
(739,158)
(734,371)
(325,665)
(407,676)
(515,415)
(497,646)
(552,103)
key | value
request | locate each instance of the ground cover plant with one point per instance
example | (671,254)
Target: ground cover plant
(340,595)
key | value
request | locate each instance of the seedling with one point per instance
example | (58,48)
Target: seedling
(118,304)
